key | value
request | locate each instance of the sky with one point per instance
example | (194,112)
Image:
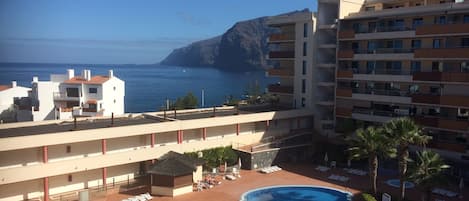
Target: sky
(120,31)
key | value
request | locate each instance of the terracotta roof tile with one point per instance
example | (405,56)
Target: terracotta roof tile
(99,79)
(4,87)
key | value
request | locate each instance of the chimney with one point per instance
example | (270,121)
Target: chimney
(35,79)
(13,84)
(88,75)
(111,73)
(70,73)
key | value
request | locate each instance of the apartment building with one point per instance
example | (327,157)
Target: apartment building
(407,58)
(291,55)
(66,96)
(8,93)
(59,157)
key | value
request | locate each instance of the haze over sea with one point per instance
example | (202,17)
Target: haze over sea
(148,86)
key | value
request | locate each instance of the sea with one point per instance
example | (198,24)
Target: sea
(147,87)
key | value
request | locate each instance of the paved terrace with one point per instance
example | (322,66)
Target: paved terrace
(57,126)
(292,174)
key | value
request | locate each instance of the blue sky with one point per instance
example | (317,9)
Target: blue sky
(119,31)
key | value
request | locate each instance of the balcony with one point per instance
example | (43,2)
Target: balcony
(455,147)
(442,76)
(282,37)
(281,54)
(453,53)
(344,74)
(343,92)
(382,95)
(436,29)
(451,100)
(344,112)
(275,88)
(65,97)
(280,72)
(345,54)
(442,122)
(346,34)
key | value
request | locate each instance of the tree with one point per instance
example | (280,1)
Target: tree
(404,132)
(253,92)
(427,172)
(371,143)
(187,102)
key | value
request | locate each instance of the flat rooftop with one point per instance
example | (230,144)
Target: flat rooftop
(56,126)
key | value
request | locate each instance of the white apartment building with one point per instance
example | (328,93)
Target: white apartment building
(66,96)
(7,95)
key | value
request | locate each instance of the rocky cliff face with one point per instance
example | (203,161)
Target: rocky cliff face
(242,48)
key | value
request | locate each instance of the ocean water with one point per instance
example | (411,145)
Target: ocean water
(148,86)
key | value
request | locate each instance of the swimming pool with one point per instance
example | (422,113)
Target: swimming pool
(296,193)
(396,183)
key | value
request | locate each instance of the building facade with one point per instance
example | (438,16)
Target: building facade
(59,158)
(66,96)
(407,58)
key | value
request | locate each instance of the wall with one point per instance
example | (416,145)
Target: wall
(110,95)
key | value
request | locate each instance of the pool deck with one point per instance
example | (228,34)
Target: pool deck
(292,174)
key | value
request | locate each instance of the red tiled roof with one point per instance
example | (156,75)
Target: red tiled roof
(99,79)
(4,87)
(92,101)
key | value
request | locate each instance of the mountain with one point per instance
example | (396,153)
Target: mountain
(243,47)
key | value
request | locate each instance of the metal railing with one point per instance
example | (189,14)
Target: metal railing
(384,92)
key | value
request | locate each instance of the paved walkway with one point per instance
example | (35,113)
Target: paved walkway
(301,174)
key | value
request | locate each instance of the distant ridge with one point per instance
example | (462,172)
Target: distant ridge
(243,47)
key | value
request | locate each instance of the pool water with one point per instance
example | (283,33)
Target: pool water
(396,183)
(296,193)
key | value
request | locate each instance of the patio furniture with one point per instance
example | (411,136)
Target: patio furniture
(338,178)
(444,192)
(322,168)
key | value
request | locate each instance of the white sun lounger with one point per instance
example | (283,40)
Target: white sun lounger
(444,192)
(322,168)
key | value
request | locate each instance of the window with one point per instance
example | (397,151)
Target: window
(355,67)
(463,112)
(437,66)
(413,89)
(72,92)
(399,25)
(114,88)
(303,86)
(396,67)
(305,30)
(93,90)
(303,102)
(436,43)
(369,8)
(356,27)
(114,100)
(466,19)
(68,149)
(304,67)
(417,22)
(465,66)
(398,44)
(372,27)
(465,42)
(355,47)
(415,66)
(370,67)
(435,90)
(416,44)
(440,19)
(305,47)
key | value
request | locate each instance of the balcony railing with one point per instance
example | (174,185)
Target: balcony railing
(456,147)
(340,111)
(442,29)
(448,52)
(442,76)
(377,71)
(280,72)
(62,95)
(345,54)
(281,54)
(343,92)
(383,51)
(281,37)
(383,92)
(275,88)
(452,100)
(344,74)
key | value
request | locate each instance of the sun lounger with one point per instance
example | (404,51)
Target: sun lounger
(148,196)
(322,168)
(338,178)
(230,177)
(444,192)
(271,169)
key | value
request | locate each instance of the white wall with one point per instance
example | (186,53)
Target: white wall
(110,95)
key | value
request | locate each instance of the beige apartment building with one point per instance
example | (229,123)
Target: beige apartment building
(407,58)
(55,159)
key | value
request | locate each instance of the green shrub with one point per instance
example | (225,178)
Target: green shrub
(368,197)
(217,156)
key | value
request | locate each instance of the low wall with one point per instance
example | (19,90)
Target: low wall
(167,191)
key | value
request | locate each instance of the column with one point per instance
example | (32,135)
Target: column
(152,136)
(181,133)
(45,159)
(237,129)
(104,150)
(267,124)
(204,133)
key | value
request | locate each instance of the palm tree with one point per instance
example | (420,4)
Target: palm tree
(404,132)
(427,172)
(371,143)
